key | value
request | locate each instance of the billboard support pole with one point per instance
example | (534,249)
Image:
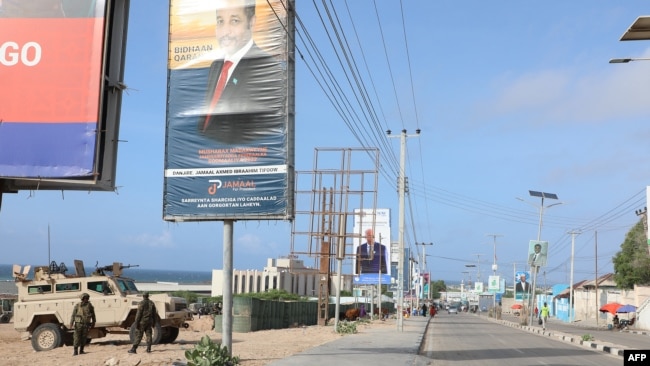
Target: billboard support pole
(226,319)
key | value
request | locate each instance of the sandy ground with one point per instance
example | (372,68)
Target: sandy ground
(253,349)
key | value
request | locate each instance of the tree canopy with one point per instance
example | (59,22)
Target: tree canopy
(437,287)
(632,262)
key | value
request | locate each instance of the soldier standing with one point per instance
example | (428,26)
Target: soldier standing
(83,318)
(145,319)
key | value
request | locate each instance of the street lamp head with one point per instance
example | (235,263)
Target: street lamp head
(552,196)
(627,60)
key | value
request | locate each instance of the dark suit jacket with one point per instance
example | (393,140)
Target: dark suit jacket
(371,261)
(541,260)
(252,104)
(520,288)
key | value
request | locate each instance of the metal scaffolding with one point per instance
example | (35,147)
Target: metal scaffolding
(342,180)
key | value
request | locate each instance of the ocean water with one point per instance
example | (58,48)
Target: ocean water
(137,273)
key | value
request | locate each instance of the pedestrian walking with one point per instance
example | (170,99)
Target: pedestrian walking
(145,319)
(432,310)
(544,314)
(83,318)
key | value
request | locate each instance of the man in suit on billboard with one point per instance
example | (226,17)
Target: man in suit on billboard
(371,256)
(245,96)
(537,257)
(522,285)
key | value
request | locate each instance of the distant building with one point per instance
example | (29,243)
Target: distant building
(286,274)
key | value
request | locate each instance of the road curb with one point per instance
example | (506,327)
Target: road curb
(564,337)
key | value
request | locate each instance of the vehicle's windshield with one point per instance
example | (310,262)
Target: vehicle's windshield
(126,285)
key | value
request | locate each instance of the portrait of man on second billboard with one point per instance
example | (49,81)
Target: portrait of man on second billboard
(245,90)
(371,256)
(537,252)
(522,286)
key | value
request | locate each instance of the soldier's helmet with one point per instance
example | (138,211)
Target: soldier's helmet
(84,296)
(145,295)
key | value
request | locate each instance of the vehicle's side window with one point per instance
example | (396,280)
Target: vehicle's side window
(66,287)
(41,289)
(100,287)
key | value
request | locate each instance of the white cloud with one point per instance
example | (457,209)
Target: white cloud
(163,240)
(579,95)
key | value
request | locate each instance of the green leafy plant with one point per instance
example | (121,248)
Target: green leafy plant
(208,353)
(346,327)
(587,337)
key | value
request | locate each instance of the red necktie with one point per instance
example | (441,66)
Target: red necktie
(223,77)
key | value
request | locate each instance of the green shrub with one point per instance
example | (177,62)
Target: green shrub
(587,337)
(346,327)
(273,294)
(208,353)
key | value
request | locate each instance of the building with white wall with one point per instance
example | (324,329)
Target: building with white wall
(287,274)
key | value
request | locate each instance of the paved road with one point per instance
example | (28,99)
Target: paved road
(466,339)
(470,339)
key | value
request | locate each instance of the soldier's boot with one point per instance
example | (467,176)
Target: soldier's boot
(148,348)
(132,350)
(76,351)
(81,350)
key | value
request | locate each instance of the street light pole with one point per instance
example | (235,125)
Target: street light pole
(402,193)
(535,268)
(463,283)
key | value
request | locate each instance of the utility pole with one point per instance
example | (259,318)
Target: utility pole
(478,267)
(494,273)
(573,244)
(402,193)
(644,215)
(494,262)
(596,273)
(425,269)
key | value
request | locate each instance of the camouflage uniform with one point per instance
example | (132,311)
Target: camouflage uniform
(145,319)
(83,318)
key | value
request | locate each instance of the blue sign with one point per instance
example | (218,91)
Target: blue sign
(371,279)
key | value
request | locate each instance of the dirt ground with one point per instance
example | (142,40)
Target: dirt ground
(254,348)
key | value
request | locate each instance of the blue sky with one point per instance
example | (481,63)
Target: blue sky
(510,96)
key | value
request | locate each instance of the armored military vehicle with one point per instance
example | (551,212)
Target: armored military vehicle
(45,305)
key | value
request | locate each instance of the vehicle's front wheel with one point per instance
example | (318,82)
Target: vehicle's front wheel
(46,337)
